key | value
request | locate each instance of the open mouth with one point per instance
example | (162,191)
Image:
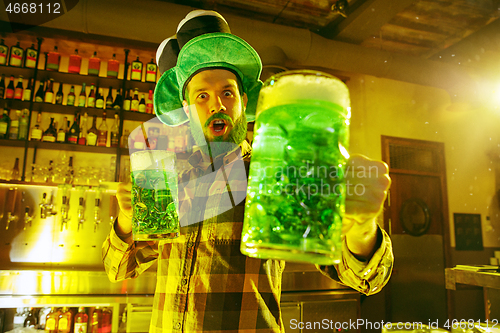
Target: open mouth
(218,126)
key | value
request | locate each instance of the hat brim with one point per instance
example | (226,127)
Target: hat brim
(213,50)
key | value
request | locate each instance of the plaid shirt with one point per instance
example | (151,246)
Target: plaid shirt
(204,283)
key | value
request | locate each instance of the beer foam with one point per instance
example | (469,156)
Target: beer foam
(293,87)
(152,159)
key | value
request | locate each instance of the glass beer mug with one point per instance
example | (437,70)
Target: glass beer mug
(296,185)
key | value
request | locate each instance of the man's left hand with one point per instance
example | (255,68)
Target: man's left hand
(367,183)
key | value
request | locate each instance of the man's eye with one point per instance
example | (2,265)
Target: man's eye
(202,96)
(228,93)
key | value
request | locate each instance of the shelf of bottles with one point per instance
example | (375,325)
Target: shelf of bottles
(62,319)
(78,102)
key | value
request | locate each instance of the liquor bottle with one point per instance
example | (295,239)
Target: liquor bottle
(127,102)
(52,60)
(124,139)
(15,170)
(109,99)
(4,124)
(31,57)
(113,67)
(82,98)
(75,62)
(142,104)
(2,86)
(65,321)
(52,321)
(31,321)
(36,131)
(96,320)
(70,100)
(50,134)
(27,91)
(39,97)
(81,321)
(82,138)
(16,56)
(102,133)
(94,65)
(99,99)
(61,133)
(18,92)
(49,92)
(136,70)
(115,132)
(149,103)
(134,105)
(4,50)
(106,320)
(92,97)
(74,130)
(9,92)
(59,95)
(151,70)
(23,125)
(92,132)
(14,126)
(117,104)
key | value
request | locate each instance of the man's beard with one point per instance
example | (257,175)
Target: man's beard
(218,145)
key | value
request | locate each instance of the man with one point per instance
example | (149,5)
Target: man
(204,283)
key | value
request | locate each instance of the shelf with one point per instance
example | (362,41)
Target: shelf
(137,116)
(14,104)
(71,147)
(51,184)
(12,143)
(70,109)
(16,71)
(78,79)
(142,86)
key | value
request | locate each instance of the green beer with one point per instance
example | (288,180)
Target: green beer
(154,195)
(296,188)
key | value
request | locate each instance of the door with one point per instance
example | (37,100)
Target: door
(416,217)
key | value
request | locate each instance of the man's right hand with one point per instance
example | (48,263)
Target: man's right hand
(124,197)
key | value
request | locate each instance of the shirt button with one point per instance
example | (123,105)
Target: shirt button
(183,282)
(178,326)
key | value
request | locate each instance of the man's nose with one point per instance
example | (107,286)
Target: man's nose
(217,105)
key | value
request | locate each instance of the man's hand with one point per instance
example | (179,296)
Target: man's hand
(367,182)
(124,197)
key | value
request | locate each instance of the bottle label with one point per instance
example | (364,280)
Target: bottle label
(81,101)
(18,94)
(134,106)
(91,102)
(61,137)
(50,325)
(126,105)
(53,61)
(151,74)
(31,57)
(80,327)
(26,95)
(49,138)
(3,55)
(112,74)
(49,96)
(136,72)
(16,57)
(91,139)
(36,134)
(9,93)
(99,103)
(3,128)
(63,324)
(142,107)
(73,139)
(70,100)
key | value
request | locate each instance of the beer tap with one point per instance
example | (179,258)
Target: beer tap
(65,207)
(46,206)
(81,208)
(97,208)
(10,203)
(27,217)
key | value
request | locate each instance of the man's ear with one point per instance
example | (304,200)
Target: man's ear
(185,106)
(245,100)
